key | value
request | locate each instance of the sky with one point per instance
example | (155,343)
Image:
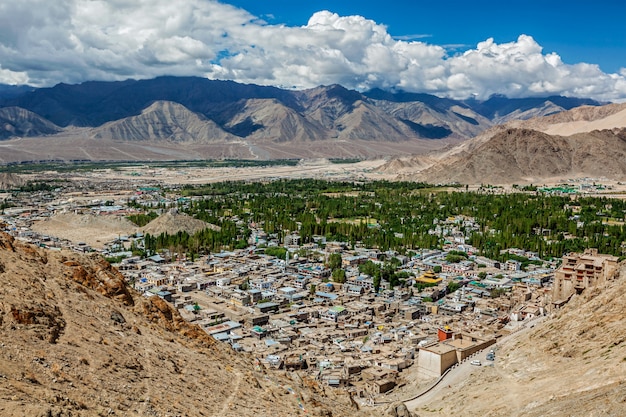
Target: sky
(451,48)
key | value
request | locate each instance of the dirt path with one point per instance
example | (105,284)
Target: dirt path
(228,402)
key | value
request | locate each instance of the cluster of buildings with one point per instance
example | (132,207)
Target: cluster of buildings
(289,314)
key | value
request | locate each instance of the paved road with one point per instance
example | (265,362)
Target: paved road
(462,371)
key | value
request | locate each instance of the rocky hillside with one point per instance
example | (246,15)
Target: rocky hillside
(76,341)
(529,156)
(9,181)
(583,142)
(16,122)
(173,222)
(163,120)
(573,364)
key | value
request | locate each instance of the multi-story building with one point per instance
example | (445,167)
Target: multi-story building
(579,271)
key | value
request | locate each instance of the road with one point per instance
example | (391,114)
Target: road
(462,371)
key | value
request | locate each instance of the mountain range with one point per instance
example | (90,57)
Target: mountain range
(582,142)
(197,118)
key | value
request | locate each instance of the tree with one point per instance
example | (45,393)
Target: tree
(376,282)
(334,261)
(339,275)
(369,268)
(482,275)
(437,269)
(453,286)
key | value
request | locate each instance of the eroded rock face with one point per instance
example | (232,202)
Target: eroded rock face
(6,242)
(44,321)
(102,278)
(160,312)
(399,410)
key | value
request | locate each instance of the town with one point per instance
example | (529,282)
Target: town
(373,321)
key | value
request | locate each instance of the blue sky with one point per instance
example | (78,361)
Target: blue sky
(579,31)
(456,49)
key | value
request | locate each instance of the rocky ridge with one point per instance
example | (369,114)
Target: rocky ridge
(204,118)
(76,341)
(163,120)
(583,142)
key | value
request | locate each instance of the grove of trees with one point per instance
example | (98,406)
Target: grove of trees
(398,216)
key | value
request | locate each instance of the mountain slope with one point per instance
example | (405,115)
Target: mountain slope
(76,341)
(15,121)
(367,122)
(163,120)
(530,151)
(579,120)
(269,119)
(501,109)
(524,155)
(227,119)
(94,103)
(573,363)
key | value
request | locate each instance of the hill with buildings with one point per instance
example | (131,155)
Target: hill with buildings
(76,341)
(572,363)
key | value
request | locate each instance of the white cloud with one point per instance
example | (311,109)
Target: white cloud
(44,43)
(13,78)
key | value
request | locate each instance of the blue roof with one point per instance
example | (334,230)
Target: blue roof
(326,295)
(270,342)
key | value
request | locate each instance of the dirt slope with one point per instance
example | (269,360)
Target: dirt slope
(76,341)
(524,155)
(9,181)
(572,364)
(174,222)
(91,229)
(585,141)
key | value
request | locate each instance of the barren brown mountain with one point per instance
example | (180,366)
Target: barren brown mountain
(182,118)
(163,120)
(527,156)
(531,151)
(15,121)
(9,181)
(76,341)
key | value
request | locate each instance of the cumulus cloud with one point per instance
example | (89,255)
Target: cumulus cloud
(43,43)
